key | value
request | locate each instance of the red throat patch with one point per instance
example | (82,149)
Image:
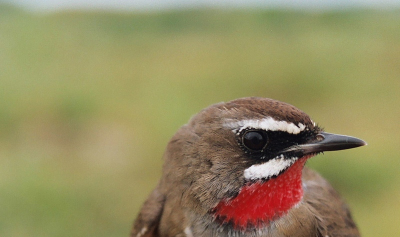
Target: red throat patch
(260,202)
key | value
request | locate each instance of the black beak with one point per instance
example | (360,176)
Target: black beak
(327,142)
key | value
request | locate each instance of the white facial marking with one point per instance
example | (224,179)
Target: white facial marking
(188,232)
(314,123)
(267,124)
(268,169)
(142,232)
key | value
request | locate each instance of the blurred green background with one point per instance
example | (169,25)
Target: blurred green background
(89,101)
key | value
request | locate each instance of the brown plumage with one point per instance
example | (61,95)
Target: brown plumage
(208,162)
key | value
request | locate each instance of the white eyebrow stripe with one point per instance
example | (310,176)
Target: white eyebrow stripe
(268,169)
(267,124)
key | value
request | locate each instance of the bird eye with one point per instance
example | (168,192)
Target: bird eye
(255,140)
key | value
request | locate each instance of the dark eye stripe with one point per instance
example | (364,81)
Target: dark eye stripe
(264,145)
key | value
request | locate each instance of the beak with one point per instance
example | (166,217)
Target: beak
(327,142)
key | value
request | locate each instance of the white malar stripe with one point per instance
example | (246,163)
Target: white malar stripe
(267,124)
(268,169)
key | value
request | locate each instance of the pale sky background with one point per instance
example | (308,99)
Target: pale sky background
(145,5)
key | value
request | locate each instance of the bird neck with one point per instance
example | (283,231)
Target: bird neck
(260,202)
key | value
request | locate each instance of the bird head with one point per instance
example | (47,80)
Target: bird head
(240,162)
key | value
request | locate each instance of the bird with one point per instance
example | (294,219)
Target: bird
(237,169)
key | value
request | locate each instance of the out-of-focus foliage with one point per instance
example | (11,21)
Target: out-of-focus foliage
(89,101)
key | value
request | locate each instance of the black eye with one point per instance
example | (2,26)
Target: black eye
(255,140)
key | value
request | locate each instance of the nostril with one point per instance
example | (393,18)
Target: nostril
(320,137)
